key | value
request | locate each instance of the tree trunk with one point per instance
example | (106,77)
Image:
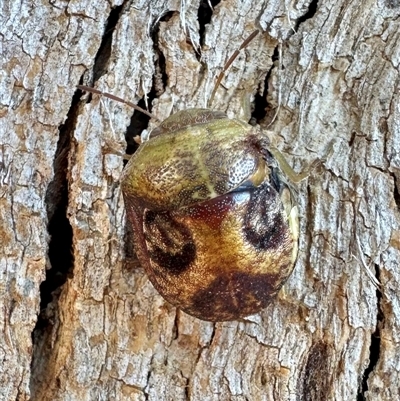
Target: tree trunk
(323,77)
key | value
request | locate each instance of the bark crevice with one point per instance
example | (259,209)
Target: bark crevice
(60,256)
(104,52)
(261,107)
(375,346)
(312,9)
(204,16)
(396,194)
(60,252)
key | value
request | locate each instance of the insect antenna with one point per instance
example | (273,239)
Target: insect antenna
(118,99)
(228,64)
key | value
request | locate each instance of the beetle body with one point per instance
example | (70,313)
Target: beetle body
(214,219)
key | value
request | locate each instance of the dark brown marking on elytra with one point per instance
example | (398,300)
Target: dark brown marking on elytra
(149,217)
(213,211)
(264,226)
(170,244)
(175,263)
(234,295)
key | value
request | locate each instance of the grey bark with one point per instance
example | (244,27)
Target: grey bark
(330,70)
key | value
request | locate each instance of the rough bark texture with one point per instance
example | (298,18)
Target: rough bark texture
(328,69)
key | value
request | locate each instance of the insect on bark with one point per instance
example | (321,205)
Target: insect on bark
(213,211)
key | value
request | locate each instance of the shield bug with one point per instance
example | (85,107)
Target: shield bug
(213,212)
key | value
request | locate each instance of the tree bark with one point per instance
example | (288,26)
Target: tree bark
(323,77)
